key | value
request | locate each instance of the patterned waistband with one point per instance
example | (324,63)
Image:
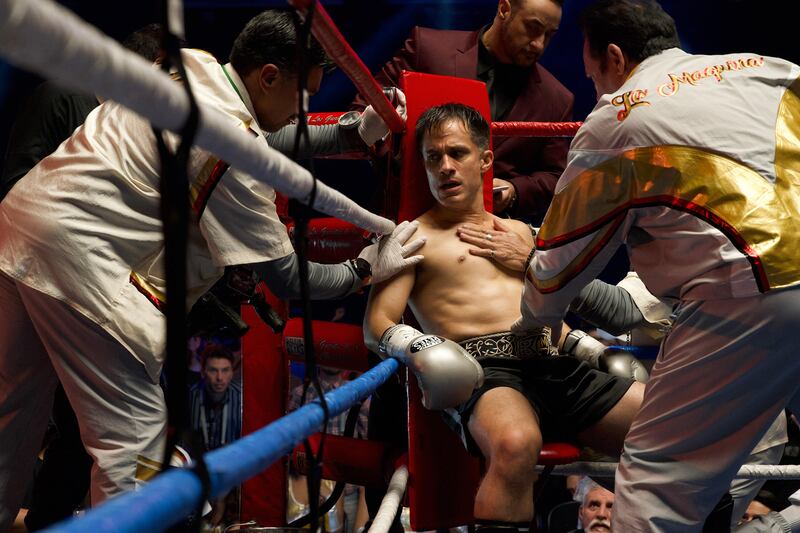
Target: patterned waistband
(509,346)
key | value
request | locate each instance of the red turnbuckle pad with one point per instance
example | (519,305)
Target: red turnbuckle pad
(558,453)
(331,240)
(357,461)
(335,345)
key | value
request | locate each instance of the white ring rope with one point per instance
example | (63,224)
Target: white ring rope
(391,502)
(745,472)
(52,41)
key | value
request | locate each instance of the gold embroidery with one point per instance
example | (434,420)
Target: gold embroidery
(628,101)
(712,71)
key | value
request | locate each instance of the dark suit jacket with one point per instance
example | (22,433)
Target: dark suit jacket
(49,117)
(532,165)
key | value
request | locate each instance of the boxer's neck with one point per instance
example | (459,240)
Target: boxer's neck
(448,216)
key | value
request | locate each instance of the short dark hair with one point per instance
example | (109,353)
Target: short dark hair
(271,37)
(641,28)
(146,41)
(516,3)
(216,351)
(434,117)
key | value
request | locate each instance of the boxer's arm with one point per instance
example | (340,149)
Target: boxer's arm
(447,375)
(387,302)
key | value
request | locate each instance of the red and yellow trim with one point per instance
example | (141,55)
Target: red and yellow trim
(204,184)
(156,297)
(206,181)
(580,262)
(759,217)
(146,469)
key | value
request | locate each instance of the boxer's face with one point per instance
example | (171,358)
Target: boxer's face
(527,28)
(595,513)
(455,165)
(276,101)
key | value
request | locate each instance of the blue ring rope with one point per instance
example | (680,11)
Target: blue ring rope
(174,494)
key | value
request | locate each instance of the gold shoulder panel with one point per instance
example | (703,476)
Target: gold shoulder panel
(760,218)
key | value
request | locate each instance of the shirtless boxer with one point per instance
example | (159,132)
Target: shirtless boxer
(527,391)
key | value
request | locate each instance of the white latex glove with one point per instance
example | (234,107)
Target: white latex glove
(391,254)
(372,128)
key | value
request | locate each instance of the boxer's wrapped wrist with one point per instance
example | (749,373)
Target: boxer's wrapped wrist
(571,340)
(583,347)
(396,339)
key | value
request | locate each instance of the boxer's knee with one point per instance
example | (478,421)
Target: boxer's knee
(514,451)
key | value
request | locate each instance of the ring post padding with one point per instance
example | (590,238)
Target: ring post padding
(331,240)
(336,345)
(265,383)
(442,475)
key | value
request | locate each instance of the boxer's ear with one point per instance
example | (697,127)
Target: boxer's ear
(487,157)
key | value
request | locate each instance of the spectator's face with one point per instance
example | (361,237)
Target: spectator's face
(526,28)
(218,373)
(595,513)
(455,165)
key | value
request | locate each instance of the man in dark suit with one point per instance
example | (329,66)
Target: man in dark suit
(504,55)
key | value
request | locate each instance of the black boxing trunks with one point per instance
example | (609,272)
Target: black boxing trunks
(567,394)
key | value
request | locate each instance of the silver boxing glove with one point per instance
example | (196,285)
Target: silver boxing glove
(447,374)
(613,361)
(621,363)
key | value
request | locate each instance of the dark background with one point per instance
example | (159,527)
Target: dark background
(376,28)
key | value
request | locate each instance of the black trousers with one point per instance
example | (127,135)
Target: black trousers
(62,482)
